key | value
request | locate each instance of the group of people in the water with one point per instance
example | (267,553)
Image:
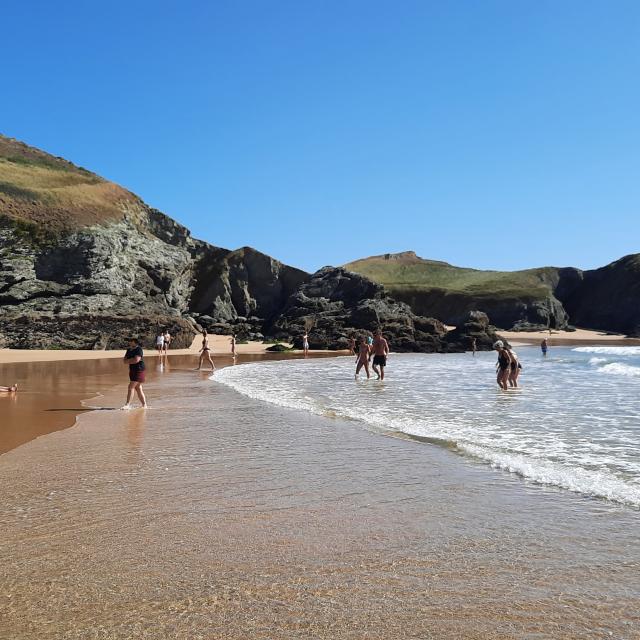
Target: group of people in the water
(371,352)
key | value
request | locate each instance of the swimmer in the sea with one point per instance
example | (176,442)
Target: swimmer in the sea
(363,357)
(380,350)
(503,365)
(514,371)
(11,389)
(544,346)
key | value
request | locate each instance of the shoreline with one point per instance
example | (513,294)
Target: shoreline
(220,346)
(54,393)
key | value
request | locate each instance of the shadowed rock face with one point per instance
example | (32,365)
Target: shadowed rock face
(336,304)
(241,290)
(607,298)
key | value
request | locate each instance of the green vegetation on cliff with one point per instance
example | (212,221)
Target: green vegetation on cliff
(448,292)
(38,188)
(406,270)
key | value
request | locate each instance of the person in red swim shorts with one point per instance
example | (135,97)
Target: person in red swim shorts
(134,358)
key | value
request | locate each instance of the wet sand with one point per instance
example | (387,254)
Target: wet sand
(51,393)
(215,516)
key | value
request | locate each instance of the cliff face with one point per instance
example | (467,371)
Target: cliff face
(429,287)
(335,304)
(607,298)
(79,269)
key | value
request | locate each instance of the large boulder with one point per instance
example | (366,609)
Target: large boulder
(474,326)
(335,304)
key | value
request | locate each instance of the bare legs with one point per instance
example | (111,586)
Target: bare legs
(502,378)
(379,371)
(137,387)
(203,355)
(363,363)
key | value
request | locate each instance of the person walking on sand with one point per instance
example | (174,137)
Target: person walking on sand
(134,358)
(205,352)
(544,346)
(11,389)
(503,365)
(167,341)
(160,343)
(305,343)
(380,350)
(363,357)
(233,346)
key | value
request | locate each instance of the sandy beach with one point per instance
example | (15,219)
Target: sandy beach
(213,515)
(219,345)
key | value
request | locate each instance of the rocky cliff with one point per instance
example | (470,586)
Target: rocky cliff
(606,298)
(85,263)
(335,305)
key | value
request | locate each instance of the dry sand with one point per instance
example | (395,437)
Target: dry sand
(220,345)
(568,337)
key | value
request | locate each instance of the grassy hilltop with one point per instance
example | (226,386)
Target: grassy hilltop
(38,189)
(447,292)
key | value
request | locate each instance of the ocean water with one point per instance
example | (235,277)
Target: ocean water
(574,422)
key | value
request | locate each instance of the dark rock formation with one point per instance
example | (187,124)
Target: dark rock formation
(241,291)
(607,299)
(101,331)
(474,325)
(335,304)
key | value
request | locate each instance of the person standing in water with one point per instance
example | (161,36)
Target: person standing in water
(305,343)
(363,357)
(473,347)
(205,352)
(514,371)
(167,341)
(503,365)
(134,358)
(351,345)
(160,343)
(233,345)
(544,346)
(380,348)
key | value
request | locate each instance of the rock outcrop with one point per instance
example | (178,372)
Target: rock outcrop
(241,291)
(85,264)
(475,326)
(335,304)
(607,299)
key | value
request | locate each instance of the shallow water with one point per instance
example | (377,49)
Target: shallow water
(214,515)
(573,423)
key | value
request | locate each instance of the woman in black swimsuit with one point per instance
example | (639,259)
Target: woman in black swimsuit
(205,352)
(504,365)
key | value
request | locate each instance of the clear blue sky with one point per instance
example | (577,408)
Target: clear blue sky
(495,134)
